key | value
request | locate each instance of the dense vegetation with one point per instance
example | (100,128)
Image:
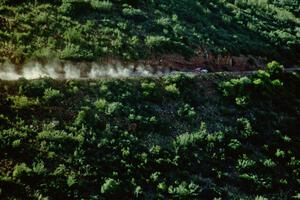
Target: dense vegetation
(131,30)
(176,137)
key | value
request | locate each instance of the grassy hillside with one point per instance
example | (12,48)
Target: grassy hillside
(211,136)
(132,30)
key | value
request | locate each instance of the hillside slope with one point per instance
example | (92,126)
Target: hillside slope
(142,30)
(212,136)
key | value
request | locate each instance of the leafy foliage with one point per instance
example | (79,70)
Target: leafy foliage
(263,85)
(131,30)
(135,139)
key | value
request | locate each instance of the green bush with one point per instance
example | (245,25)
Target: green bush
(23,102)
(245,163)
(128,10)
(184,190)
(39,168)
(269,163)
(109,186)
(71,180)
(114,108)
(101,5)
(56,135)
(245,128)
(280,153)
(72,35)
(148,89)
(101,105)
(187,112)
(156,42)
(234,144)
(173,90)
(84,117)
(52,95)
(260,198)
(242,101)
(66,7)
(10,137)
(189,139)
(21,170)
(262,85)
(34,88)
(274,68)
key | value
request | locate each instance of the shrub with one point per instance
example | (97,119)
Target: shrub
(245,163)
(21,170)
(154,42)
(66,7)
(269,163)
(101,5)
(42,18)
(245,128)
(76,52)
(39,168)
(16,143)
(274,68)
(72,35)
(189,139)
(52,95)
(11,137)
(173,90)
(152,120)
(148,88)
(184,190)
(260,198)
(58,136)
(242,101)
(22,102)
(85,117)
(138,191)
(34,88)
(182,80)
(235,86)
(286,139)
(234,144)
(128,10)
(155,176)
(114,108)
(110,185)
(297,196)
(71,180)
(280,153)
(60,170)
(162,186)
(248,177)
(187,112)
(101,105)
(72,88)
(277,83)
(264,84)
(81,117)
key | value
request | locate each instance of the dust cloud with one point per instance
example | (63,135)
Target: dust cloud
(70,70)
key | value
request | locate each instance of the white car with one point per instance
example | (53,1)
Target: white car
(200,70)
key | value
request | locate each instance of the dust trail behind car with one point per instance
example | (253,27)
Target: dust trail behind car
(71,70)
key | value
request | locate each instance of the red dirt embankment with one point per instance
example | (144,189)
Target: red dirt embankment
(208,61)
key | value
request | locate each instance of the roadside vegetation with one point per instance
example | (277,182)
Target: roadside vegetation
(210,136)
(88,30)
